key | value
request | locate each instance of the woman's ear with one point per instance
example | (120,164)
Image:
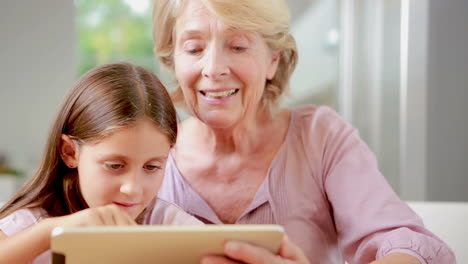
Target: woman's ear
(273,65)
(68,151)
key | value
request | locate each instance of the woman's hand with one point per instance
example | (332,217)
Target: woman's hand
(397,258)
(103,215)
(245,253)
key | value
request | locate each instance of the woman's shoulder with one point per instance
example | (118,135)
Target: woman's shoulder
(166,213)
(21,219)
(317,120)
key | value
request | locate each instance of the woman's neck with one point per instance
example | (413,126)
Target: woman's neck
(249,136)
(241,139)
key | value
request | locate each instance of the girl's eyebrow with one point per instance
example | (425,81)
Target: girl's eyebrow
(160,159)
(104,157)
(112,157)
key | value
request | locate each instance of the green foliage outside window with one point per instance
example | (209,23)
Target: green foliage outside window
(114,30)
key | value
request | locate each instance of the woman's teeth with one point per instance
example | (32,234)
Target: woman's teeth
(220,94)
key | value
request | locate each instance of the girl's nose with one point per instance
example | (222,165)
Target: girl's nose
(131,187)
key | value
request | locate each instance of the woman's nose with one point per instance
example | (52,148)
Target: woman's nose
(216,64)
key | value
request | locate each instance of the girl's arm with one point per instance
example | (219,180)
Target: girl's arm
(28,244)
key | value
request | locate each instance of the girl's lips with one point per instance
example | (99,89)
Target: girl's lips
(126,204)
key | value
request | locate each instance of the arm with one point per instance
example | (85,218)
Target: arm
(397,258)
(29,243)
(371,219)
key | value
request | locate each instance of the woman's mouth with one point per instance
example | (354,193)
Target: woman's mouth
(218,97)
(219,94)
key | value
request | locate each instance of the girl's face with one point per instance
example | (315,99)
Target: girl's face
(222,70)
(126,168)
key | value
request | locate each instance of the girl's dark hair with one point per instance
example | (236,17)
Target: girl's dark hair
(106,98)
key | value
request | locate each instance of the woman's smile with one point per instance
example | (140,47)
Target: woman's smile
(218,96)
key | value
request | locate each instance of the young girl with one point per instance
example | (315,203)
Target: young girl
(103,163)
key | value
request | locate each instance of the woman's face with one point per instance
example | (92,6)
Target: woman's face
(125,168)
(222,71)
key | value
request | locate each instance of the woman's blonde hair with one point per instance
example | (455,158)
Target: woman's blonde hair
(105,99)
(269,18)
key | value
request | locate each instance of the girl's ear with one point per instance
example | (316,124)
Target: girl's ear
(68,151)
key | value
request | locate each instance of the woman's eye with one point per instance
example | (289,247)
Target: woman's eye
(114,166)
(193,47)
(151,167)
(238,48)
(194,51)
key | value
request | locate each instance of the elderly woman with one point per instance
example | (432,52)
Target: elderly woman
(242,160)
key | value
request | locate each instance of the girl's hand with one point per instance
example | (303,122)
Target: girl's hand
(245,253)
(104,215)
(26,245)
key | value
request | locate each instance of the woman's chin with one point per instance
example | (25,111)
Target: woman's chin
(219,119)
(219,122)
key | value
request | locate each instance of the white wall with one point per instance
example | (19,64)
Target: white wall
(435,152)
(38,60)
(447,96)
(369,87)
(413,102)
(316,76)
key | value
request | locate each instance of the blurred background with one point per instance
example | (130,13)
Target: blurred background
(396,69)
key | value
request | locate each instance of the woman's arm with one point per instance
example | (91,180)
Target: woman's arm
(397,258)
(371,220)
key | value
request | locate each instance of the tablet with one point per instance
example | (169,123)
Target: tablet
(154,244)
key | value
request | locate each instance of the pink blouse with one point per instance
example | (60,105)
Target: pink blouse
(325,188)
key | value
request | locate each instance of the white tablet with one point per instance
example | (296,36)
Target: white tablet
(154,244)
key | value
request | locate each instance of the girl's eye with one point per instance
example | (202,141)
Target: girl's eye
(151,167)
(114,166)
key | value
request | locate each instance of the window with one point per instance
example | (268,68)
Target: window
(114,30)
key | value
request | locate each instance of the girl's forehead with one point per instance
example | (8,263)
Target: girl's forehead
(142,136)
